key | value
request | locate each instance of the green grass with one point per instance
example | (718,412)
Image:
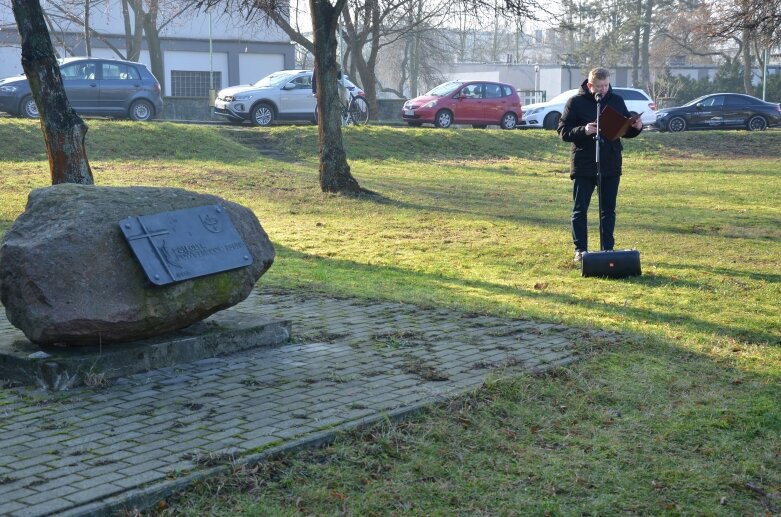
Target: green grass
(680,415)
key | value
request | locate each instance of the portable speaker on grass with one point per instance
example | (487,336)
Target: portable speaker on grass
(611,264)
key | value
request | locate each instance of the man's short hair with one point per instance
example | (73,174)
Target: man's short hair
(598,73)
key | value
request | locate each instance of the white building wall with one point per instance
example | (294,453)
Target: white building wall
(189,53)
(106,18)
(10,61)
(257,66)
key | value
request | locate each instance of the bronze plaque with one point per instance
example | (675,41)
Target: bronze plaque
(182,244)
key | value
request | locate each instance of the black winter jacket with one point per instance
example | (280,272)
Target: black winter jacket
(579,111)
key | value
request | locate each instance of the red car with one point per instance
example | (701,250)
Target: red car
(480,103)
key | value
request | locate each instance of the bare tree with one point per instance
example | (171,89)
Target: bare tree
(335,175)
(140,17)
(63,130)
(761,17)
(753,23)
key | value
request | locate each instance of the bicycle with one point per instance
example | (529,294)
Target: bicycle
(353,112)
(356,112)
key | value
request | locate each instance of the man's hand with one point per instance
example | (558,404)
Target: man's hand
(638,124)
(591,128)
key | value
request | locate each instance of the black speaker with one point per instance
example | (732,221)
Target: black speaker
(611,264)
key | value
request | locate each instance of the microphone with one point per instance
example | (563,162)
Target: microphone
(598,97)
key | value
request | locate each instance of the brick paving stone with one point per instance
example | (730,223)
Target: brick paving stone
(16,490)
(140,478)
(46,508)
(35,460)
(186,446)
(151,446)
(9,507)
(143,467)
(50,493)
(144,425)
(65,478)
(100,490)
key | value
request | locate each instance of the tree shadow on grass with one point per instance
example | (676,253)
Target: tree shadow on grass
(481,209)
(722,271)
(438,282)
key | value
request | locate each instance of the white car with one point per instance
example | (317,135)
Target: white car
(546,115)
(285,95)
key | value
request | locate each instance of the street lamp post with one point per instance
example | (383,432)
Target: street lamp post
(537,82)
(212,91)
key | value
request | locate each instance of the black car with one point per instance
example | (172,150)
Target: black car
(720,111)
(94,87)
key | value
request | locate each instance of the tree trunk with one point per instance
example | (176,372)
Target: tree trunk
(747,38)
(334,170)
(646,44)
(153,44)
(414,62)
(636,45)
(63,130)
(133,32)
(87,39)
(358,41)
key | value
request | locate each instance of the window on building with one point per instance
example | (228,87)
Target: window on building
(193,84)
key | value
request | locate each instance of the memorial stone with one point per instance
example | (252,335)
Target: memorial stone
(69,276)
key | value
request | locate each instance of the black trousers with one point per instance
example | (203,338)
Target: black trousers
(582,189)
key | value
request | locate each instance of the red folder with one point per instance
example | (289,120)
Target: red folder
(613,125)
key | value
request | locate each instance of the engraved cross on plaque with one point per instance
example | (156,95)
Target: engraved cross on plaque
(148,235)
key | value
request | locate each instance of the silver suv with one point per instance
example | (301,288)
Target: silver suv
(94,87)
(285,95)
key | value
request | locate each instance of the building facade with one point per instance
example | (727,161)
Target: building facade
(198,48)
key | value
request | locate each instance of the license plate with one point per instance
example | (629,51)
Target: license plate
(220,104)
(409,113)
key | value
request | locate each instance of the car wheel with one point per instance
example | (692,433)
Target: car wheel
(509,121)
(141,111)
(28,108)
(443,119)
(415,124)
(262,115)
(756,123)
(479,126)
(551,120)
(676,125)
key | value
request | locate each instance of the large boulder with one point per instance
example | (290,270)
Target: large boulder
(67,274)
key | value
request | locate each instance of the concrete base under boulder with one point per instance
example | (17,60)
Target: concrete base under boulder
(59,368)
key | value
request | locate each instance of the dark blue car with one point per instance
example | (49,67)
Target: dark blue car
(720,111)
(94,86)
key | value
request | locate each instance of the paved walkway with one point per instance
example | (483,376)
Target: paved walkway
(351,362)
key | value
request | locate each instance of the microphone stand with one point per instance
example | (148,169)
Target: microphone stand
(597,139)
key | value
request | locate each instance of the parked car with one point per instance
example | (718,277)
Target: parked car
(94,87)
(720,111)
(480,103)
(282,95)
(546,115)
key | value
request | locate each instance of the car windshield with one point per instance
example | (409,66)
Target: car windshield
(444,89)
(563,96)
(275,79)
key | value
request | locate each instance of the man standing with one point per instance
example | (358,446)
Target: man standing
(578,126)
